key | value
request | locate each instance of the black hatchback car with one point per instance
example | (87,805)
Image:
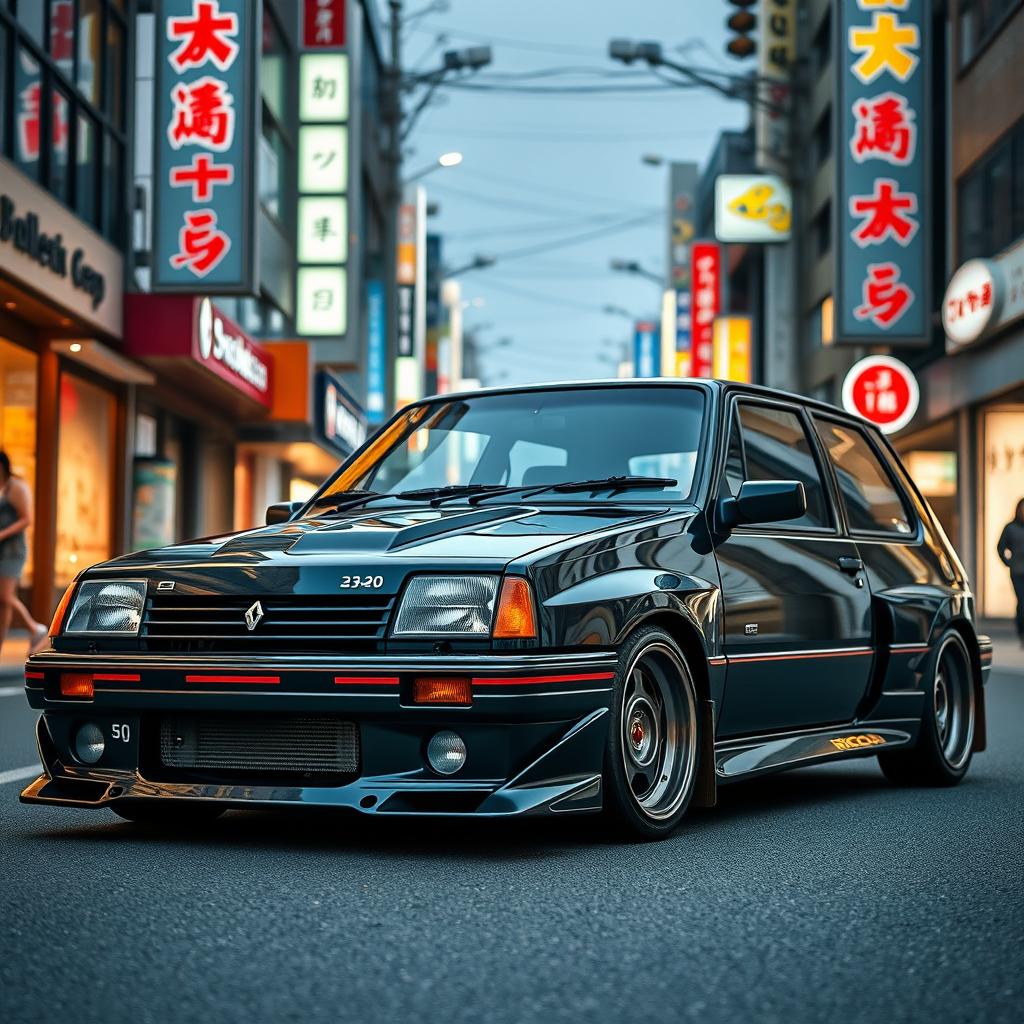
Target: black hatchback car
(607,596)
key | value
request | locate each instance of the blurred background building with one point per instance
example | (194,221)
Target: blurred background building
(217,274)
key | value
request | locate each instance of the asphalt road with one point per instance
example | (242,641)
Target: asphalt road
(819,895)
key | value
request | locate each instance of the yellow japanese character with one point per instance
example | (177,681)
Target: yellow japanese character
(882,47)
(869,4)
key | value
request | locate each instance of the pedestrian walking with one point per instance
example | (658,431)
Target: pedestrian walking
(1011,551)
(15,519)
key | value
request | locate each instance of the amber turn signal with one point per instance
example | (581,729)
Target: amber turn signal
(58,616)
(442,690)
(515,619)
(76,684)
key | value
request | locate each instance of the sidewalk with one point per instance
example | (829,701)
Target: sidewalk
(12,657)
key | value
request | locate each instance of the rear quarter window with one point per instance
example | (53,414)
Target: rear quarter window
(871,497)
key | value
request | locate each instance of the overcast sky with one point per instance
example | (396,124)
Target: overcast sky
(539,169)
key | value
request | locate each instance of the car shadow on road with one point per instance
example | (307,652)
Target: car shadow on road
(324,830)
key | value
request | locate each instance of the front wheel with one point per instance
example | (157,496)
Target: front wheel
(650,767)
(943,751)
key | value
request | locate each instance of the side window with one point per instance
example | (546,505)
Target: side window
(872,501)
(777,447)
(735,471)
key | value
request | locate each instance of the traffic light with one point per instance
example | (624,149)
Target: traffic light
(742,22)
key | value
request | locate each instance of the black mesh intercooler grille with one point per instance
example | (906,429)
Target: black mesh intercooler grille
(299,744)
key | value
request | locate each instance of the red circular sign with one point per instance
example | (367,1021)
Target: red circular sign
(883,391)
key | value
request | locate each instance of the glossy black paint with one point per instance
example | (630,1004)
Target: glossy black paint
(844,629)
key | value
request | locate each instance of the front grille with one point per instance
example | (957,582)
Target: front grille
(293,622)
(297,744)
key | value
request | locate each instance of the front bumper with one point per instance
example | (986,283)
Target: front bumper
(535,732)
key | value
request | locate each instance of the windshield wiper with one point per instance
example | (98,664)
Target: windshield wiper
(608,483)
(353,500)
(438,494)
(615,483)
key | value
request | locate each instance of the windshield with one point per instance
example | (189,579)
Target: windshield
(537,438)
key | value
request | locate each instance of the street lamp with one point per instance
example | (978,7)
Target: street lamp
(452,159)
(611,310)
(627,51)
(632,267)
(478,262)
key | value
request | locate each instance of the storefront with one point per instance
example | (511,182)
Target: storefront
(213,380)
(64,385)
(969,456)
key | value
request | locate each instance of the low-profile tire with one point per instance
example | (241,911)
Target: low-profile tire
(651,756)
(942,754)
(164,812)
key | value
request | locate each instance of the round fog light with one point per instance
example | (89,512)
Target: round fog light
(446,752)
(89,743)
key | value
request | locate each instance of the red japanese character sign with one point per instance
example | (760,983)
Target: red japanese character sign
(208,35)
(885,130)
(883,391)
(201,244)
(886,213)
(886,298)
(204,115)
(323,23)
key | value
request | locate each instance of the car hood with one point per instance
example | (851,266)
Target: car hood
(488,537)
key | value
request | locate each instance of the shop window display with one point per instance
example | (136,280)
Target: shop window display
(85,477)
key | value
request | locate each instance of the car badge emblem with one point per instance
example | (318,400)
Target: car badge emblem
(253,615)
(164,585)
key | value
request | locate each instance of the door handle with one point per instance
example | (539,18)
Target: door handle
(847,563)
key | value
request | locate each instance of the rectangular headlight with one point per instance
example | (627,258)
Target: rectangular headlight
(107,607)
(460,605)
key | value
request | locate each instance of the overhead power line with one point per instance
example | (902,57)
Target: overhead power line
(575,239)
(529,293)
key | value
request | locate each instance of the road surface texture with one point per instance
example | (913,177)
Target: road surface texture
(823,894)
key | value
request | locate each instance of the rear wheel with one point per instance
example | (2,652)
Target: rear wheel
(165,812)
(943,751)
(651,756)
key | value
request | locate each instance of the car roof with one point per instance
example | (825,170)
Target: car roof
(720,386)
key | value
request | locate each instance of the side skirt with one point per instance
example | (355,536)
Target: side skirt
(748,756)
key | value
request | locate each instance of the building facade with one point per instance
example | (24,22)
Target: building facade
(965,446)
(969,433)
(139,413)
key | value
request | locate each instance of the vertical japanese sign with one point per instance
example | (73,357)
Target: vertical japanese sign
(321,283)
(733,358)
(883,256)
(204,196)
(433,312)
(376,353)
(323,23)
(707,304)
(405,272)
(646,350)
(776,57)
(682,185)
(411,274)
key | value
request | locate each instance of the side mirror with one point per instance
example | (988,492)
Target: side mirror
(764,501)
(282,511)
